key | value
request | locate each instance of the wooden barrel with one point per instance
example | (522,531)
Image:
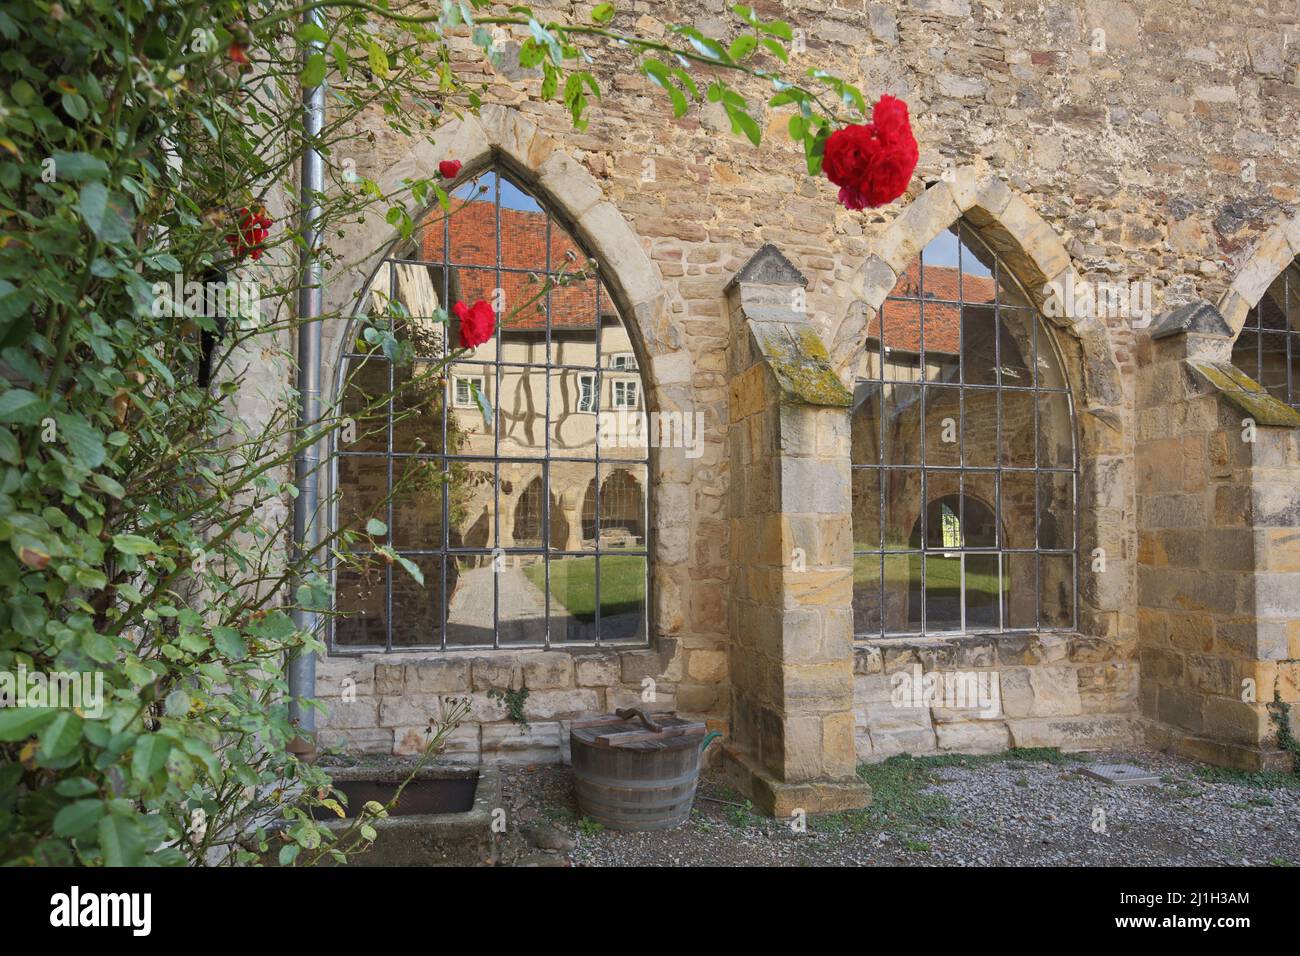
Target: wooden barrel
(635,771)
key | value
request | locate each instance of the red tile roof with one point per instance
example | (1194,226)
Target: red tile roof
(523,246)
(942,321)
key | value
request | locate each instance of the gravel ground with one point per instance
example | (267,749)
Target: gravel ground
(1034,808)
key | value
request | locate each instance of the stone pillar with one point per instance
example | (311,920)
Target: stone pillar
(791,620)
(1218,548)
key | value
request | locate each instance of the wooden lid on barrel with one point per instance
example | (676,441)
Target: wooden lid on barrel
(635,729)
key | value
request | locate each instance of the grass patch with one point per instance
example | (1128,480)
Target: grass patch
(573,584)
(897,798)
(564,815)
(1255,779)
(898,785)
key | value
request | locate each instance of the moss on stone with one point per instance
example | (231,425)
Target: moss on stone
(1245,393)
(802,367)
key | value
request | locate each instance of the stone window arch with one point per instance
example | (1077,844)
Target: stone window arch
(445,475)
(961,405)
(1268,346)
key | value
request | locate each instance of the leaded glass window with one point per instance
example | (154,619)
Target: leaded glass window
(964,467)
(528,525)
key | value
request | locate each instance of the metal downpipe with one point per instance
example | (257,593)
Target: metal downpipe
(307,463)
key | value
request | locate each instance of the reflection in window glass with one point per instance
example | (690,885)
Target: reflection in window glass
(1268,347)
(524,521)
(963,450)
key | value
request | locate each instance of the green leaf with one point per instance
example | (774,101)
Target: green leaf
(376,527)
(120,841)
(742,122)
(28,615)
(107,214)
(60,735)
(78,166)
(177,703)
(150,756)
(313,73)
(110,486)
(310,32)
(19,723)
(288,853)
(229,643)
(742,46)
(76,818)
(778,28)
(776,49)
(659,73)
(377,59)
(83,441)
(603,13)
(19,405)
(411,568)
(133,544)
(75,787)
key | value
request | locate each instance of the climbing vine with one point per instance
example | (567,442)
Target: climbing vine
(148,149)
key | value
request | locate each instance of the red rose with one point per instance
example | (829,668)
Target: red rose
(250,239)
(873,164)
(477,322)
(237,54)
(449,168)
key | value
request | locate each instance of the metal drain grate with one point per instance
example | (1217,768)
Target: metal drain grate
(1121,775)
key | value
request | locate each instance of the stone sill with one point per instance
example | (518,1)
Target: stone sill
(430,656)
(877,655)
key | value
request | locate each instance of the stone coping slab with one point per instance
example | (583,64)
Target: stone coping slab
(1245,393)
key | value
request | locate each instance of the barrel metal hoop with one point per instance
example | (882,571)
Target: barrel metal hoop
(613,784)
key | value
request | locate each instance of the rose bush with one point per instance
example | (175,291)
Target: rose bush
(144,515)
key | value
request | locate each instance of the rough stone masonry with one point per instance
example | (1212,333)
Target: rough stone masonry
(1149,142)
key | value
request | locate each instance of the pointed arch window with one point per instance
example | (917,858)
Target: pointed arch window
(1268,348)
(488,499)
(964,459)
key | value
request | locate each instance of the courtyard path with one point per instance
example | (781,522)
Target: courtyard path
(1002,810)
(522,609)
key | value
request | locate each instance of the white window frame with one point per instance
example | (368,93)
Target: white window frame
(468,402)
(625,394)
(587,392)
(622,362)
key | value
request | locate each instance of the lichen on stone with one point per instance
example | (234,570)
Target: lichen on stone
(1242,391)
(802,367)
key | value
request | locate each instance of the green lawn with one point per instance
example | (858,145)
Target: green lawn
(940,576)
(573,584)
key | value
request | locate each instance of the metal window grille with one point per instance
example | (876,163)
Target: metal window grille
(493,513)
(1268,348)
(965,469)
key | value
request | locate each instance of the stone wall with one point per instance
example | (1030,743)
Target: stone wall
(1219,550)
(1029,690)
(383,703)
(1162,149)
